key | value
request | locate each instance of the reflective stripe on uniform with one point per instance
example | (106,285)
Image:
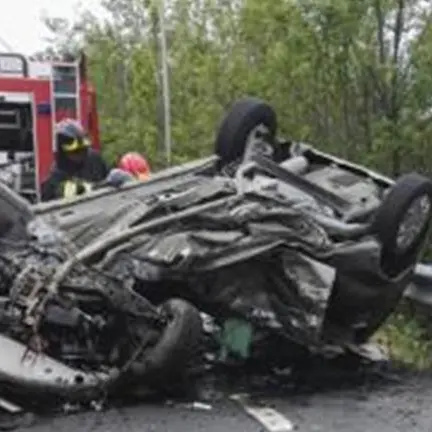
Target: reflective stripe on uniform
(87,186)
(71,188)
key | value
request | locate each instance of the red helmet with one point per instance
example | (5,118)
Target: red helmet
(135,164)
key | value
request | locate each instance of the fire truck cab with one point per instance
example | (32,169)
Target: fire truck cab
(34,96)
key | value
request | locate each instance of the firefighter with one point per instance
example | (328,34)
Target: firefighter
(135,164)
(77,166)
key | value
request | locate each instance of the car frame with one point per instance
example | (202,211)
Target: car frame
(331,232)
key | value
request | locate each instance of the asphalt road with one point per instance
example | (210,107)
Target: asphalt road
(404,404)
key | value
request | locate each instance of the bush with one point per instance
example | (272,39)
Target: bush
(406,340)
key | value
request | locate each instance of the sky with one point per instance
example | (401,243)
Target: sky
(21,27)
(22,30)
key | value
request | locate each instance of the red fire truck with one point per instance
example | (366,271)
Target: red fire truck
(34,95)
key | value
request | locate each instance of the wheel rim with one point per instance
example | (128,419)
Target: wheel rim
(413,223)
(256,142)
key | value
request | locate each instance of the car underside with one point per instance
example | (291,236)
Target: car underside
(105,292)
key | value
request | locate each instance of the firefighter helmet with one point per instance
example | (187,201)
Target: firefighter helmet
(135,164)
(70,135)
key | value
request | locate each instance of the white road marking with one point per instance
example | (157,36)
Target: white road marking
(272,420)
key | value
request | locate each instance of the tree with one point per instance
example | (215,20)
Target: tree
(353,77)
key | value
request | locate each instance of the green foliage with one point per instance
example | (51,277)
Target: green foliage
(342,74)
(406,341)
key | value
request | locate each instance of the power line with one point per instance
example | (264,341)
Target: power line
(5,44)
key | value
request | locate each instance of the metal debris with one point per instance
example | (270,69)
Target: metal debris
(269,418)
(199,406)
(10,406)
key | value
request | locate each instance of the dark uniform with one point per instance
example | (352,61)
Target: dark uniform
(77,166)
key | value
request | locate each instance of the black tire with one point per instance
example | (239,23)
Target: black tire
(178,346)
(390,215)
(244,116)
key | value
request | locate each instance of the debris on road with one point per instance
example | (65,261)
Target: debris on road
(272,420)
(199,406)
(9,406)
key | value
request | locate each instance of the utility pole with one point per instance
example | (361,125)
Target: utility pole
(165,82)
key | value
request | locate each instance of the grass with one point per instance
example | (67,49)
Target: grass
(406,340)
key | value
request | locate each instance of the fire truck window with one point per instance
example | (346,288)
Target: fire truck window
(65,80)
(66,107)
(16,127)
(9,119)
(65,86)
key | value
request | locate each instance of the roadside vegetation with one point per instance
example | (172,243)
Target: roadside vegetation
(406,338)
(354,78)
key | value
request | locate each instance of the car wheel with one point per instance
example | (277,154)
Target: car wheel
(247,121)
(178,346)
(402,222)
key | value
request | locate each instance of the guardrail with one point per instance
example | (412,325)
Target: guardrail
(420,290)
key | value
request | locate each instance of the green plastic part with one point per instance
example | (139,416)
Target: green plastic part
(236,338)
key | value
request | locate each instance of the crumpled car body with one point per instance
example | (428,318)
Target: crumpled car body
(310,250)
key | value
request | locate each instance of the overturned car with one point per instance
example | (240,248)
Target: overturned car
(102,294)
